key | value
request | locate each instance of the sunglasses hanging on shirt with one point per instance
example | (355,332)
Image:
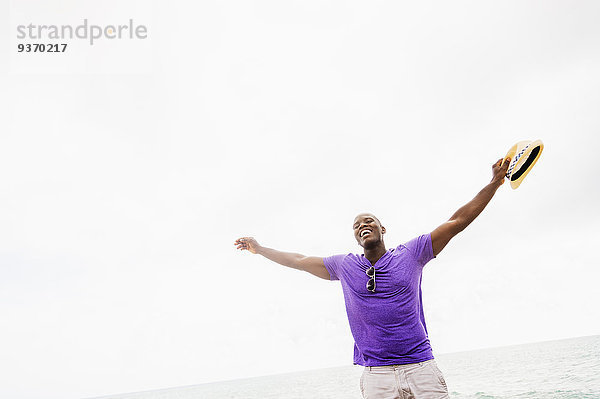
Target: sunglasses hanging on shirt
(371,283)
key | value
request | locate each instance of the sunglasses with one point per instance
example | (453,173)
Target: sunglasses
(371,283)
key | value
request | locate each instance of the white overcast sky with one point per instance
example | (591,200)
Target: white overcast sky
(121,192)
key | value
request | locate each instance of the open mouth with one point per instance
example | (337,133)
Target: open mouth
(365,233)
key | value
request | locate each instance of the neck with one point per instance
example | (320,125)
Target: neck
(375,253)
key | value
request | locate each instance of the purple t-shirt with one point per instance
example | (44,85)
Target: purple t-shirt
(388,325)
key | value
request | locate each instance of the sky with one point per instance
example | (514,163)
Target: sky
(129,167)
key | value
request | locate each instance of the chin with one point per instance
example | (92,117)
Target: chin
(368,244)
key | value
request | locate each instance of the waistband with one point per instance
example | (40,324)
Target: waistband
(399,366)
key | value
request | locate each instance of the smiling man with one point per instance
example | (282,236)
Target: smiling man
(382,292)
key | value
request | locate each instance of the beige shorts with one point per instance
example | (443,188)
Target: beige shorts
(406,381)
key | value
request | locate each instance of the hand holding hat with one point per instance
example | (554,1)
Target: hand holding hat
(499,170)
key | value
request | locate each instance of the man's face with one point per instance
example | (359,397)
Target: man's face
(368,231)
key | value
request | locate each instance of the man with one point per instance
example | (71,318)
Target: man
(382,292)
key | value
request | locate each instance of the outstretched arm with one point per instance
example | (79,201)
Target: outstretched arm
(311,264)
(466,214)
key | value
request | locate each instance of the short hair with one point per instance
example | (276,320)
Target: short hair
(370,214)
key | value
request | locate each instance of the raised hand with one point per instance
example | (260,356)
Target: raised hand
(499,170)
(247,243)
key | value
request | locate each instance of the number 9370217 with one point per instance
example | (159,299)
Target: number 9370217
(41,47)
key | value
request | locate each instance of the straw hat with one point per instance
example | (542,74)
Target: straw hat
(523,156)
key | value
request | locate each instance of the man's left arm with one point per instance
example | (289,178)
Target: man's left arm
(467,213)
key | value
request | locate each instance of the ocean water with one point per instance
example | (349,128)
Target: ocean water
(565,369)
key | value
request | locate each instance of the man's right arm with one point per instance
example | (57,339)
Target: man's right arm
(312,264)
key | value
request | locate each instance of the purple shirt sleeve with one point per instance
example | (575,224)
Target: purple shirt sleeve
(333,264)
(421,248)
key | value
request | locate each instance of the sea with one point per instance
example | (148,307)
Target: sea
(564,369)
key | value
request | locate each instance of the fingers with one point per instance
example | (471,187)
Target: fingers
(503,163)
(242,246)
(242,243)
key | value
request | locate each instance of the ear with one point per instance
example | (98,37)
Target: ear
(382,230)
